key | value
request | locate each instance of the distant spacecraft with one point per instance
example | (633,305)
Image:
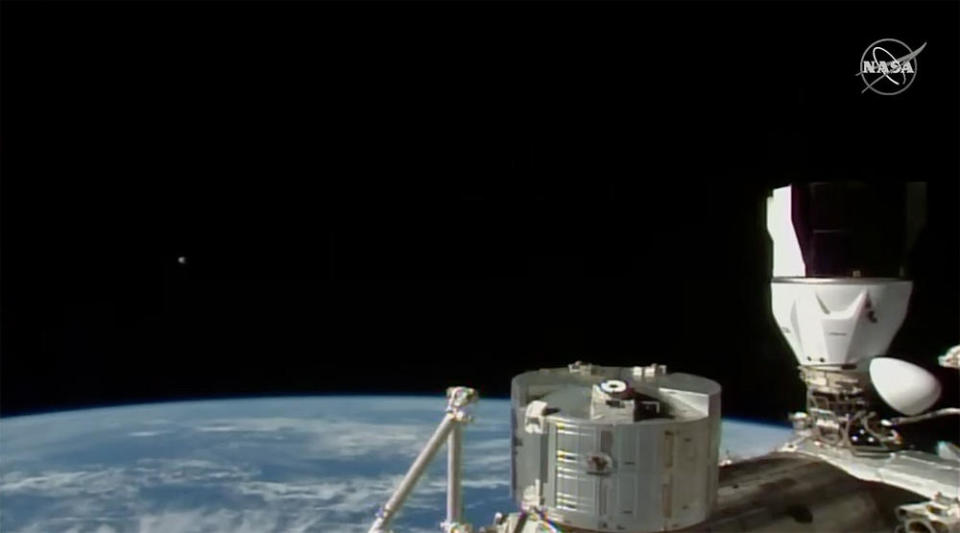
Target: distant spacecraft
(635,450)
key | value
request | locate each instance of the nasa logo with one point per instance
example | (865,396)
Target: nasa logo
(888,66)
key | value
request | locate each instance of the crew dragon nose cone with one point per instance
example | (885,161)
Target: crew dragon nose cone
(905,386)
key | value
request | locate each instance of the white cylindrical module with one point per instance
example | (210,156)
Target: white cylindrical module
(615,449)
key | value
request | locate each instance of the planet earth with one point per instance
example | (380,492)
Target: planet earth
(301,464)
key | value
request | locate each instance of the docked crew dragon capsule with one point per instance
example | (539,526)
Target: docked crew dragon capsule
(635,449)
(611,449)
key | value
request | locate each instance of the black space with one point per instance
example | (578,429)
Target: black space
(397,197)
